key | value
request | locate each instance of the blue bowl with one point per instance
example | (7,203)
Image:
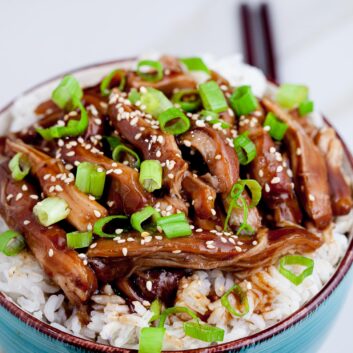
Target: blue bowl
(302,331)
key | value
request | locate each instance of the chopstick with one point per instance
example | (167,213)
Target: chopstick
(258,40)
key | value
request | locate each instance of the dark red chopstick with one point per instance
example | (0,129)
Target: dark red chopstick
(267,37)
(245,17)
(258,40)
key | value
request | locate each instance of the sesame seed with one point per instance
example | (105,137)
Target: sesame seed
(267,187)
(218,157)
(198,230)
(9,197)
(311,197)
(158,154)
(275,180)
(272,149)
(145,234)
(254,242)
(52,189)
(58,188)
(92,246)
(91,197)
(299,151)
(51,253)
(89,227)
(119,231)
(70,153)
(238,248)
(223,240)
(210,198)
(210,246)
(97,213)
(267,128)
(171,176)
(24,187)
(137,136)
(187,143)
(279,169)
(124,251)
(176,251)
(26,222)
(46,176)
(261,173)
(213,211)
(19,196)
(118,171)
(149,286)
(100,170)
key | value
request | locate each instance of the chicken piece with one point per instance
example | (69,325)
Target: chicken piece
(223,163)
(269,169)
(55,181)
(201,195)
(341,193)
(48,244)
(144,134)
(125,193)
(195,252)
(309,168)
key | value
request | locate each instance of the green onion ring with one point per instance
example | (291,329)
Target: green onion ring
(104,86)
(11,243)
(242,297)
(155,76)
(19,166)
(99,225)
(296,260)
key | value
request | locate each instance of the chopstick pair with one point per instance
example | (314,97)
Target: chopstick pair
(258,39)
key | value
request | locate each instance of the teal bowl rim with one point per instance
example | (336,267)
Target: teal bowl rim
(256,338)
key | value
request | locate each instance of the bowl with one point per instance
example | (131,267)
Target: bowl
(303,331)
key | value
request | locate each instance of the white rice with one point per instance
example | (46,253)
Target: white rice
(111,321)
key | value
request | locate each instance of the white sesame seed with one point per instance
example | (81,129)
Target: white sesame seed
(19,196)
(187,143)
(52,189)
(26,222)
(89,227)
(158,154)
(267,188)
(100,170)
(51,253)
(272,149)
(210,246)
(198,230)
(91,197)
(267,128)
(275,180)
(213,211)
(218,157)
(118,171)
(176,251)
(24,187)
(311,197)
(171,176)
(137,136)
(124,251)
(46,176)
(58,188)
(261,173)
(92,246)
(238,248)
(9,197)
(149,286)
(97,213)
(299,151)
(70,153)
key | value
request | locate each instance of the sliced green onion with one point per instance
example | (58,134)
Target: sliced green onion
(255,189)
(243,100)
(151,339)
(213,118)
(176,310)
(154,102)
(139,217)
(90,179)
(79,240)
(11,243)
(104,87)
(235,196)
(243,299)
(203,332)
(113,141)
(73,127)
(68,93)
(277,127)
(291,95)
(51,210)
(154,75)
(155,308)
(212,97)
(120,149)
(151,175)
(134,96)
(195,64)
(19,166)
(296,260)
(101,223)
(306,107)
(175,225)
(245,149)
(173,121)
(188,99)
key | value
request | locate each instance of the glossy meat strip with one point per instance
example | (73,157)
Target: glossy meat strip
(144,134)
(309,169)
(222,162)
(332,149)
(55,181)
(48,244)
(272,173)
(201,195)
(206,250)
(125,193)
